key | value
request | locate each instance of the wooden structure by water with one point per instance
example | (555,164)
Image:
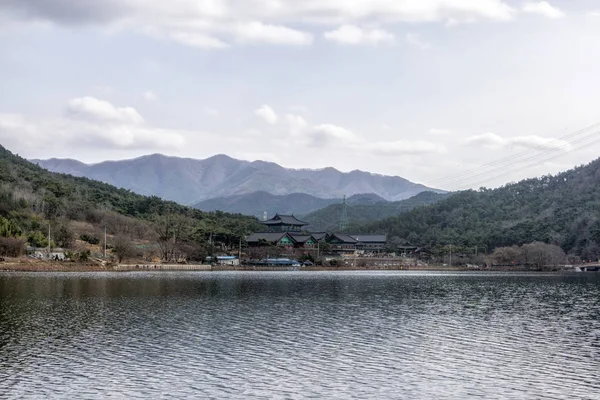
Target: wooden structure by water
(162,267)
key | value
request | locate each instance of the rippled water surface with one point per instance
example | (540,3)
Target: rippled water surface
(300,335)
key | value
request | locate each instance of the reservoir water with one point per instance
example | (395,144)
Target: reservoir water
(298,335)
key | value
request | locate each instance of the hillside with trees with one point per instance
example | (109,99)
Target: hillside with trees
(563,210)
(362,212)
(77,210)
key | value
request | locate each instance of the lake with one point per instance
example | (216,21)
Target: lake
(300,335)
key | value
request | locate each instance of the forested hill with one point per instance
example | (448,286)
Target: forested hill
(562,209)
(31,197)
(328,218)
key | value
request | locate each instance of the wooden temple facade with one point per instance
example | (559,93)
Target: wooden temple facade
(288,231)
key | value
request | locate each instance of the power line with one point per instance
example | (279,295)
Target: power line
(537,162)
(549,146)
(565,146)
(514,159)
(506,164)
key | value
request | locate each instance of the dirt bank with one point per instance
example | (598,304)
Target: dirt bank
(35,265)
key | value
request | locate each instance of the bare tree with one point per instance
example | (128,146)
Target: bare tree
(171,229)
(506,255)
(542,254)
(11,247)
(123,248)
(537,254)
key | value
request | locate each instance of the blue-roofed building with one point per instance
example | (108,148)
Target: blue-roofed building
(223,260)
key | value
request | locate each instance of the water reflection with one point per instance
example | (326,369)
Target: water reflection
(299,335)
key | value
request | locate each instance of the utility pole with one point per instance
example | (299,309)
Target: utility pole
(450,255)
(240,251)
(48,240)
(344,216)
(104,241)
(318,250)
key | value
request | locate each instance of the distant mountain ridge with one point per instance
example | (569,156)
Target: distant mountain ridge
(257,203)
(190,181)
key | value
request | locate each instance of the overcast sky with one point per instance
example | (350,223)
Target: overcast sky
(423,89)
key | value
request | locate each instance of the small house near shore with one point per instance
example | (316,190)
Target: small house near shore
(223,260)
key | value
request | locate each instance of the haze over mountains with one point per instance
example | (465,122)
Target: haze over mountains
(257,203)
(191,181)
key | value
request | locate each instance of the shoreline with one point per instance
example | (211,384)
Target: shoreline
(19,265)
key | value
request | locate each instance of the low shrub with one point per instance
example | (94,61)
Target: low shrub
(91,239)
(11,247)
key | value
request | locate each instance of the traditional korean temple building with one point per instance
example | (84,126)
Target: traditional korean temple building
(370,243)
(342,243)
(283,239)
(287,231)
(284,223)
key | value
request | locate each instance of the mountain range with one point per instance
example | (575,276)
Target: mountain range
(257,203)
(563,209)
(191,181)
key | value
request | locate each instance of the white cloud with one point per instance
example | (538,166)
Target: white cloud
(149,95)
(415,40)
(406,147)
(351,34)
(533,142)
(257,32)
(543,8)
(488,139)
(494,141)
(16,126)
(267,114)
(297,124)
(215,24)
(14,121)
(89,123)
(440,131)
(100,110)
(326,134)
(352,11)
(20,135)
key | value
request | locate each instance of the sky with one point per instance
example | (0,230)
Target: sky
(452,93)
